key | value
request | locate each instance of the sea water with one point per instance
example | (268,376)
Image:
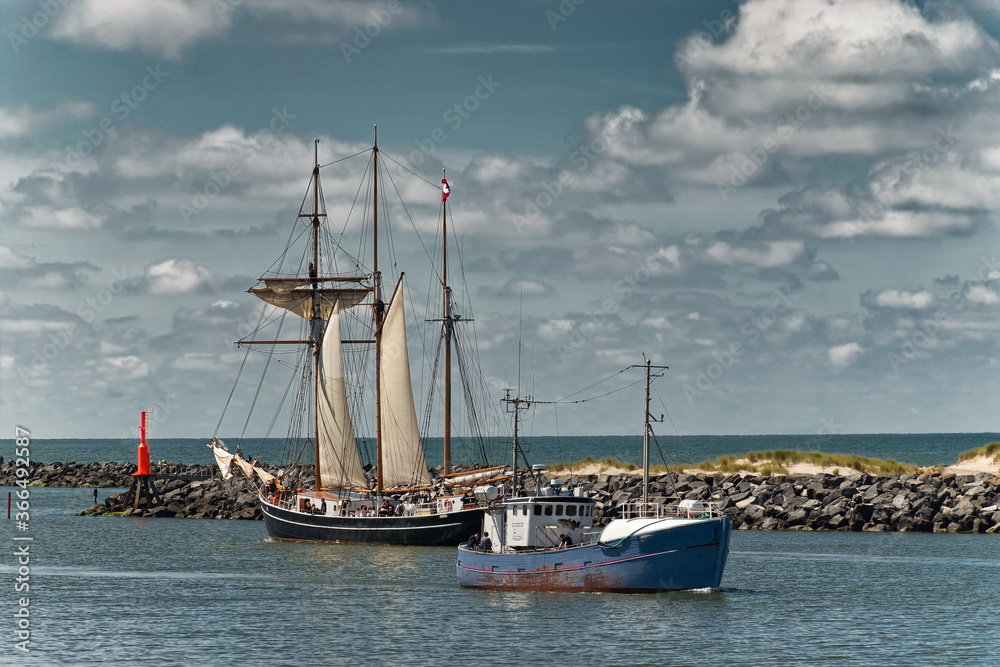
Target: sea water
(915,448)
(132,591)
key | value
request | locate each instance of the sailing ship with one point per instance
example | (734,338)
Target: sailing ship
(395,501)
(546,541)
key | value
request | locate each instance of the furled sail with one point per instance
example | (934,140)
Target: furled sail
(403,461)
(340,465)
(300,301)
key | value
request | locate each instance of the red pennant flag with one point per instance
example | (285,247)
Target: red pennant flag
(445,190)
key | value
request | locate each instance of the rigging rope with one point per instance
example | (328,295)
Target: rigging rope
(436,186)
(364,150)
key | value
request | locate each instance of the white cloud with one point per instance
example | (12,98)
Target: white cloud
(73,217)
(167,28)
(197,361)
(850,39)
(842,356)
(31,326)
(27,122)
(894,298)
(10,259)
(128,367)
(176,276)
(982,294)
(773,254)
(158,27)
(801,80)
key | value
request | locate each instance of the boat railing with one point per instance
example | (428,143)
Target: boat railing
(684,509)
(548,538)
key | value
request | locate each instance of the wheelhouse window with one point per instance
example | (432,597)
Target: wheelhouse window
(538,510)
(559,510)
(571,510)
(548,510)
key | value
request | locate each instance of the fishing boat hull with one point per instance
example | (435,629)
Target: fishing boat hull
(422,530)
(648,556)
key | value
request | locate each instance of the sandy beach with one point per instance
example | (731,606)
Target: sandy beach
(985,464)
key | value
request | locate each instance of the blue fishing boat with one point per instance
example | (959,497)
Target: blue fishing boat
(546,541)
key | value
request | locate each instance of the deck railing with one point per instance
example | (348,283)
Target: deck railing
(684,509)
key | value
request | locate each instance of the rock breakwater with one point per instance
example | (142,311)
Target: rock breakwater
(939,502)
(906,503)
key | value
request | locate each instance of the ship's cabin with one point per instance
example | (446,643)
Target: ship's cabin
(556,518)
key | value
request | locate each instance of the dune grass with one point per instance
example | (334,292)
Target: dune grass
(770,462)
(990,450)
(607,462)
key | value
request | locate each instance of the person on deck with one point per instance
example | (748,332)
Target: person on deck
(486,544)
(565,541)
(473,542)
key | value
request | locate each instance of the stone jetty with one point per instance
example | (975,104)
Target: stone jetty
(906,503)
(938,502)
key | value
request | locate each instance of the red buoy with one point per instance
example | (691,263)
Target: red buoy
(143,455)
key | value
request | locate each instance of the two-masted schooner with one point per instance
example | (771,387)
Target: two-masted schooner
(395,501)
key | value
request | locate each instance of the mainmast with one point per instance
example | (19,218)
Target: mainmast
(448,324)
(646,427)
(317,317)
(379,313)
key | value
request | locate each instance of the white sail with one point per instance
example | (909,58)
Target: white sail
(300,301)
(339,464)
(403,462)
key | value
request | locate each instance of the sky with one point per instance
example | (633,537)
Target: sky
(791,203)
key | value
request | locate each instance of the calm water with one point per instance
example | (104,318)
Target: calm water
(914,448)
(206,592)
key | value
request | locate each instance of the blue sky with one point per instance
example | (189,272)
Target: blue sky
(791,204)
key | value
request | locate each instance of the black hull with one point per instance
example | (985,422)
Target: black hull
(432,530)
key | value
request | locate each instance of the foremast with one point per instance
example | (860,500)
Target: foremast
(309,297)
(378,315)
(307,293)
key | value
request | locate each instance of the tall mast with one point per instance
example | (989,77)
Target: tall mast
(317,319)
(379,308)
(447,330)
(517,402)
(645,426)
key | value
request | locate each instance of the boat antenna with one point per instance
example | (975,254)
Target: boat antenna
(515,404)
(646,418)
